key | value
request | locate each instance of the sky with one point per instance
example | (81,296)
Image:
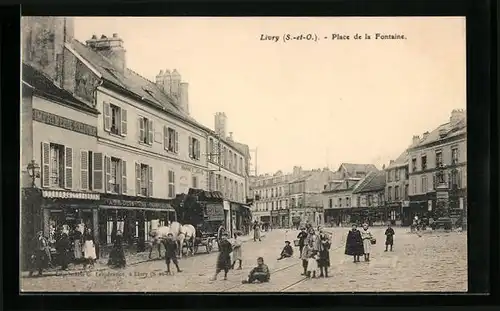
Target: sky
(305,103)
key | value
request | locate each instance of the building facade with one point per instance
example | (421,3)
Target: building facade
(397,189)
(368,198)
(438,170)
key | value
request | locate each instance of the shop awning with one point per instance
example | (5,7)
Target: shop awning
(169,208)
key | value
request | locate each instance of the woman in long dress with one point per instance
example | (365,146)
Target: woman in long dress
(224,258)
(324,255)
(354,243)
(367,237)
(237,250)
(88,248)
(77,245)
(117,255)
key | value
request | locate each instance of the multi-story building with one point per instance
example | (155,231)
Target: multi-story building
(137,147)
(438,169)
(337,194)
(306,198)
(368,200)
(270,194)
(397,187)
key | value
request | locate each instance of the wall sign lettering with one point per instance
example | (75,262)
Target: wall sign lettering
(65,123)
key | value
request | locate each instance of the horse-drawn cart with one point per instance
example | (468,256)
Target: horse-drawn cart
(205,240)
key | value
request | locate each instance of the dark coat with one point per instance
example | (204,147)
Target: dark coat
(354,244)
(389,236)
(117,255)
(40,257)
(302,237)
(224,259)
(170,248)
(324,253)
(287,251)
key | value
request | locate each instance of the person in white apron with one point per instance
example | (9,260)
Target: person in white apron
(89,248)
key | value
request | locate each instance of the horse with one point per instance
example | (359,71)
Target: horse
(187,234)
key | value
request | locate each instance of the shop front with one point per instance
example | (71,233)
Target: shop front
(394,212)
(240,217)
(284,218)
(134,216)
(337,217)
(275,218)
(421,206)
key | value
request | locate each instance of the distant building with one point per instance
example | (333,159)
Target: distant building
(397,189)
(439,160)
(369,200)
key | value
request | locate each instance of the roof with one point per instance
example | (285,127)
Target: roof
(352,169)
(133,82)
(400,161)
(450,130)
(374,181)
(46,88)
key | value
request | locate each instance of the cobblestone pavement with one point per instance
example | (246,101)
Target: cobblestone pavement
(433,262)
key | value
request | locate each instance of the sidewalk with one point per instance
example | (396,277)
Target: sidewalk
(101,264)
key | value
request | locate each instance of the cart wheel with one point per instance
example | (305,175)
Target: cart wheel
(209,246)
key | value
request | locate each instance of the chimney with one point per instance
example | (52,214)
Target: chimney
(415,140)
(230,137)
(111,48)
(220,124)
(167,82)
(457,115)
(443,132)
(175,84)
(159,80)
(184,99)
(424,135)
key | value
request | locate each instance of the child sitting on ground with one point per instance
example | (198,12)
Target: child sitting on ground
(287,251)
(260,273)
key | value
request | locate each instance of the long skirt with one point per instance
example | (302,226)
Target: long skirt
(223,262)
(367,245)
(89,250)
(117,257)
(237,254)
(256,234)
(324,259)
(312,265)
(389,240)
(77,251)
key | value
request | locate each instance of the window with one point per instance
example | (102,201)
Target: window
(144,179)
(340,202)
(397,172)
(455,180)
(195,182)
(57,166)
(330,203)
(230,160)
(389,193)
(170,139)
(424,184)
(347,202)
(439,158)
(454,155)
(424,162)
(414,164)
(396,193)
(241,165)
(210,149)
(370,200)
(358,201)
(235,162)
(194,148)
(115,119)
(171,184)
(406,192)
(406,173)
(146,131)
(414,183)
(114,176)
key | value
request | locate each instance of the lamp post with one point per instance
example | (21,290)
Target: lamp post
(442,193)
(34,172)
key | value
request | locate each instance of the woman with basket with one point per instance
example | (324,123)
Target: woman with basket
(368,241)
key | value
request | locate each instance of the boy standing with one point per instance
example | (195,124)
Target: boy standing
(389,237)
(171,252)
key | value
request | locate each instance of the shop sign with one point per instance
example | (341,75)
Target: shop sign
(65,123)
(214,212)
(139,204)
(69,195)
(193,170)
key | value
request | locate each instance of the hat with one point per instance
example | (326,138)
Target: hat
(287,242)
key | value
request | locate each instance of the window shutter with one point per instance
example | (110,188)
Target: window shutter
(98,171)
(137,178)
(190,147)
(107,116)
(124,176)
(197,149)
(141,130)
(123,127)
(107,169)
(68,167)
(459,179)
(176,145)
(150,132)
(434,181)
(45,164)
(84,169)
(150,184)
(165,137)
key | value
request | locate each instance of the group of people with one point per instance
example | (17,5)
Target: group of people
(359,242)
(76,246)
(314,251)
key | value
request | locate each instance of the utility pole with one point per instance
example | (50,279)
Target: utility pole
(255,168)
(217,156)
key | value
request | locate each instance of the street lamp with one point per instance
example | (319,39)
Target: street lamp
(34,172)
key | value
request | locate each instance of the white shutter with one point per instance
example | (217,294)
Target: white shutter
(68,167)
(124,176)
(150,183)
(137,178)
(45,164)
(176,145)
(107,116)
(150,132)
(97,168)
(197,149)
(165,138)
(123,127)
(190,147)
(107,169)
(141,130)
(84,169)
